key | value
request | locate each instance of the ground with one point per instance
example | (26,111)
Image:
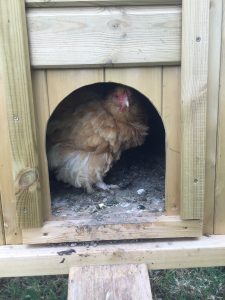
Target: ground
(141,180)
(183,284)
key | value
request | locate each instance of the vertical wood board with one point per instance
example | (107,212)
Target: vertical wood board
(2,234)
(194,71)
(171,117)
(8,202)
(212,112)
(219,220)
(41,106)
(18,96)
(112,282)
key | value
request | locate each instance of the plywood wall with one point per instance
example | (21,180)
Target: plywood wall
(160,84)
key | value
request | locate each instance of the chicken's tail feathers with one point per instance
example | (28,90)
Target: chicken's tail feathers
(76,167)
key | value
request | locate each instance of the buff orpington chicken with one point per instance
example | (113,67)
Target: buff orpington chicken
(84,141)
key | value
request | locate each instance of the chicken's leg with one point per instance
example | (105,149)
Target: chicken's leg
(106,187)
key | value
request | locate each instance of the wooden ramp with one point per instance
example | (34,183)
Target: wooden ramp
(112,282)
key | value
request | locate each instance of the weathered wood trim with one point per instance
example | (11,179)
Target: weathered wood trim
(219,219)
(98,37)
(19,100)
(92,230)
(194,71)
(165,254)
(71,3)
(212,113)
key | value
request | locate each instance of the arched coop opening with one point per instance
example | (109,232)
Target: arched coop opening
(137,177)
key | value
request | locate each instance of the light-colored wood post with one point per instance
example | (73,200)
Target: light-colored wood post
(219,222)
(212,112)
(194,71)
(15,73)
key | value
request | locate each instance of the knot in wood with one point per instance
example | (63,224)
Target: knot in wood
(27,178)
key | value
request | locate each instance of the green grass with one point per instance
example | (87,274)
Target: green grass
(188,284)
(34,288)
(183,284)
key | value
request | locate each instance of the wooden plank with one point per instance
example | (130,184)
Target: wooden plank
(8,203)
(171,117)
(63,82)
(41,106)
(194,70)
(71,3)
(79,37)
(18,96)
(37,260)
(145,80)
(2,234)
(133,228)
(212,113)
(219,221)
(112,282)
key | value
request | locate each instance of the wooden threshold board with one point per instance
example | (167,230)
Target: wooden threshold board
(110,282)
(135,227)
(26,260)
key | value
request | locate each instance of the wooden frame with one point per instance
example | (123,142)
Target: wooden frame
(126,29)
(72,3)
(219,222)
(167,254)
(25,161)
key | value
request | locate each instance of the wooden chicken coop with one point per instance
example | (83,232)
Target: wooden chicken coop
(173,53)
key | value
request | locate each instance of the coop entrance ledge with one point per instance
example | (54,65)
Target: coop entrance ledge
(90,230)
(23,260)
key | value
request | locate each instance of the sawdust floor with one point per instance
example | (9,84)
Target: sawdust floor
(140,176)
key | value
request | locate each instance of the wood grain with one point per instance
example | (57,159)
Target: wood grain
(8,202)
(109,282)
(219,220)
(146,80)
(37,260)
(71,3)
(171,116)
(63,82)
(18,96)
(194,71)
(2,234)
(42,113)
(139,227)
(79,37)
(212,113)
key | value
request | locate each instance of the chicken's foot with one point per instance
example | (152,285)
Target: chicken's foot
(106,187)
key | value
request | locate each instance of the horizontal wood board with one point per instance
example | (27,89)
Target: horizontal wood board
(79,37)
(135,227)
(71,3)
(25,260)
